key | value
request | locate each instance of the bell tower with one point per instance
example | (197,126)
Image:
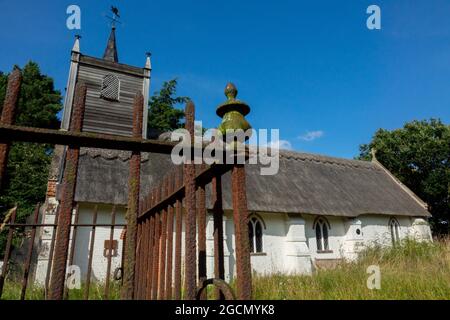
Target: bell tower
(111,87)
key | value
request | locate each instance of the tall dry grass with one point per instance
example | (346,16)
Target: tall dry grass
(413,270)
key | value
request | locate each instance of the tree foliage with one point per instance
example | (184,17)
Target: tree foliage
(27,170)
(418,154)
(162,115)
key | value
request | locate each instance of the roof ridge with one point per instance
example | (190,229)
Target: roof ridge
(304,156)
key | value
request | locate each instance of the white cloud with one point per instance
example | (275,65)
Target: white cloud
(311,135)
(280,144)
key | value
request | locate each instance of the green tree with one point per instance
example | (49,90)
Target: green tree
(162,114)
(418,154)
(28,164)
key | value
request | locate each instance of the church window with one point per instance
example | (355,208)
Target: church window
(322,227)
(394,227)
(110,88)
(255,233)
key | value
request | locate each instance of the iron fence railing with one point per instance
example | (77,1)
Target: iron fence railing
(147,265)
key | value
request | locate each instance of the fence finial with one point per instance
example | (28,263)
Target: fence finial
(233,111)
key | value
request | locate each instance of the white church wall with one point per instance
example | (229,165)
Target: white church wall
(297,251)
(336,238)
(271,260)
(45,235)
(420,228)
(376,229)
(353,239)
(83,240)
(289,241)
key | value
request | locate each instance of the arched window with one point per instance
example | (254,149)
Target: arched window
(322,227)
(394,227)
(255,234)
(110,88)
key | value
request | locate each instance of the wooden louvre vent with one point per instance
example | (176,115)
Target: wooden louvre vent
(110,88)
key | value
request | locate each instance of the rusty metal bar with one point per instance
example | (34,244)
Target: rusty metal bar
(149,272)
(29,253)
(178,234)
(190,254)
(169,273)
(162,263)
(111,239)
(201,223)
(16,225)
(72,247)
(10,133)
(156,249)
(8,113)
(91,254)
(144,253)
(219,264)
(66,205)
(240,217)
(138,265)
(7,254)
(128,291)
(144,259)
(150,248)
(202,178)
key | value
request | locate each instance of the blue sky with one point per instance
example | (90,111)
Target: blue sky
(310,68)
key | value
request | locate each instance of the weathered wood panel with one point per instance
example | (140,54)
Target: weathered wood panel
(103,116)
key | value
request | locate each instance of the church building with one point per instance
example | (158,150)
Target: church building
(316,211)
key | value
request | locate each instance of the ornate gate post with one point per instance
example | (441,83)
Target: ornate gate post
(133,205)
(8,113)
(233,113)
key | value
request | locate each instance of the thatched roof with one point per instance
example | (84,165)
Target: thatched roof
(305,183)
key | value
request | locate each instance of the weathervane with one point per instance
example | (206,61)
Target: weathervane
(115,16)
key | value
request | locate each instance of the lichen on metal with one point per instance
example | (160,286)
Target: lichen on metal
(233,111)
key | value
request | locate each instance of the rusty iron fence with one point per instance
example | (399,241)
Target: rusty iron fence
(161,210)
(152,258)
(30,230)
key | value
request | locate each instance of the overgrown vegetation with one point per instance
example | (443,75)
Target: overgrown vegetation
(12,291)
(411,271)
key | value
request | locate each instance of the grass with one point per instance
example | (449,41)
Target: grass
(411,271)
(12,291)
